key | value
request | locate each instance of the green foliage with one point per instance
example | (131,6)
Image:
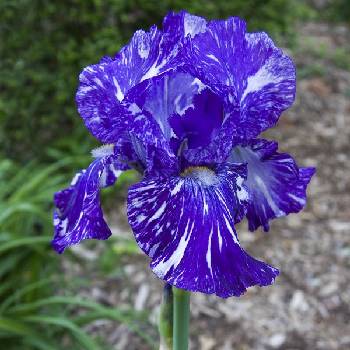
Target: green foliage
(311,70)
(323,56)
(32,315)
(45,44)
(111,262)
(337,10)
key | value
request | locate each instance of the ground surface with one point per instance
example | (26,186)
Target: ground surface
(309,306)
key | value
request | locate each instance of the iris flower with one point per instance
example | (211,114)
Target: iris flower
(185,106)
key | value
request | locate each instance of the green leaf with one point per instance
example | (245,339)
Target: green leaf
(16,327)
(40,343)
(10,262)
(125,247)
(34,180)
(28,208)
(127,317)
(86,341)
(22,291)
(22,242)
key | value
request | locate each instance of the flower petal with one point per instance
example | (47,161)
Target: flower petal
(183,24)
(186,225)
(165,95)
(103,86)
(248,69)
(208,128)
(98,103)
(201,121)
(148,144)
(189,114)
(217,150)
(78,213)
(275,184)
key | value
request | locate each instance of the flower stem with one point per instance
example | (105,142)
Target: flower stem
(181,319)
(166,319)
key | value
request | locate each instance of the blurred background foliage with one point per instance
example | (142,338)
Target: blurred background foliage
(43,47)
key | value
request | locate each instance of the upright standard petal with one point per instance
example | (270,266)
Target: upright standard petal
(275,184)
(103,86)
(186,225)
(165,95)
(148,144)
(201,121)
(204,132)
(183,24)
(189,114)
(100,102)
(248,69)
(78,214)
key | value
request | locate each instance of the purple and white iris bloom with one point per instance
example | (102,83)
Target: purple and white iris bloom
(185,106)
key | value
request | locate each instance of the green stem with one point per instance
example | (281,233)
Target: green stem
(181,319)
(166,319)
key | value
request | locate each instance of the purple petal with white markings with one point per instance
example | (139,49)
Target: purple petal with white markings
(248,69)
(189,114)
(164,95)
(148,144)
(186,225)
(275,184)
(78,214)
(208,130)
(183,24)
(139,138)
(201,121)
(98,100)
(103,86)
(217,150)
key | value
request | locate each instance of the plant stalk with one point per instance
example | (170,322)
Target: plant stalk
(166,319)
(181,318)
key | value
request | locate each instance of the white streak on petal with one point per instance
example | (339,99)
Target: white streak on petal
(143,47)
(75,179)
(194,25)
(98,82)
(177,188)
(147,187)
(208,255)
(164,266)
(134,108)
(267,195)
(84,89)
(154,70)
(103,151)
(220,239)
(199,84)
(153,249)
(119,94)
(141,218)
(301,201)
(260,79)
(242,194)
(211,56)
(228,225)
(103,178)
(158,213)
